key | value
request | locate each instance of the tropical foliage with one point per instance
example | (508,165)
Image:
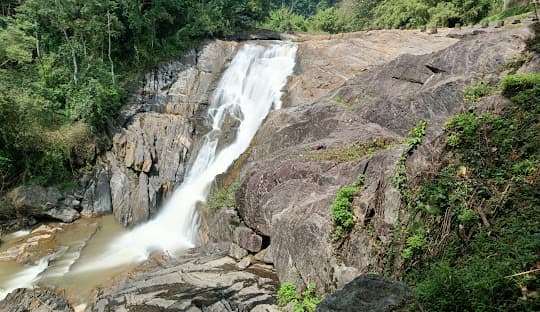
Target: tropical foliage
(68,62)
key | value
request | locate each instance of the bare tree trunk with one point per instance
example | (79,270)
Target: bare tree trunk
(38,51)
(84,49)
(109,52)
(73,56)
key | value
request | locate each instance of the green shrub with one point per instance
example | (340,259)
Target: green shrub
(415,244)
(310,300)
(307,301)
(283,20)
(413,140)
(495,172)
(462,130)
(508,13)
(341,208)
(513,84)
(325,21)
(360,181)
(468,216)
(476,92)
(287,293)
(224,197)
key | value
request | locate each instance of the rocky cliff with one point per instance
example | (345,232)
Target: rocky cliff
(157,133)
(305,152)
(347,112)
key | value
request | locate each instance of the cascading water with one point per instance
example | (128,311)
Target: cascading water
(248,90)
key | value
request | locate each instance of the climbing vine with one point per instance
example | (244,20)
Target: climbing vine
(414,139)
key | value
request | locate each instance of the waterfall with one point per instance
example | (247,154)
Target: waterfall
(250,87)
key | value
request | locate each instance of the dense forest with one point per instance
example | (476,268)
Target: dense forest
(66,64)
(353,15)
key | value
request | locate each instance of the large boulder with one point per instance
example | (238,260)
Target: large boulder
(366,293)
(34,199)
(41,202)
(66,214)
(304,153)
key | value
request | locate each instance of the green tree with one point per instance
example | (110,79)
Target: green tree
(284,20)
(325,20)
(16,46)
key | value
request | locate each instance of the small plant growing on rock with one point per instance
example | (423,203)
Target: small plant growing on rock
(415,244)
(342,211)
(352,152)
(306,301)
(476,92)
(287,293)
(515,62)
(224,197)
(413,140)
(360,181)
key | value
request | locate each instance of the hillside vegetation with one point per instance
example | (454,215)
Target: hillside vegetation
(474,242)
(65,66)
(353,15)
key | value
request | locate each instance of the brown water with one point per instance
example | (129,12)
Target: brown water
(75,245)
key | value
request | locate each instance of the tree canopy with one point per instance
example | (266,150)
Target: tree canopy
(67,62)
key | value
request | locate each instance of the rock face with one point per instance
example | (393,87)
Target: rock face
(371,293)
(326,62)
(291,177)
(35,300)
(247,239)
(34,199)
(151,149)
(200,280)
(97,197)
(41,202)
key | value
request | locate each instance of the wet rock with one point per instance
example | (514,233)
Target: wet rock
(66,215)
(97,197)
(258,35)
(372,293)
(247,239)
(35,300)
(32,247)
(199,280)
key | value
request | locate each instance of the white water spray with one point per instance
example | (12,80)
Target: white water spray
(247,91)
(25,278)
